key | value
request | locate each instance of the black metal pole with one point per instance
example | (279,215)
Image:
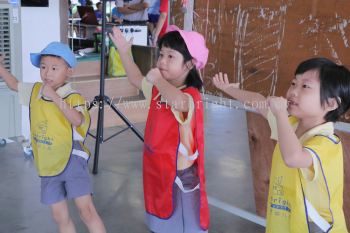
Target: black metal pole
(101,98)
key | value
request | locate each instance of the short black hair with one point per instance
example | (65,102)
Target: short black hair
(89,3)
(174,41)
(334,83)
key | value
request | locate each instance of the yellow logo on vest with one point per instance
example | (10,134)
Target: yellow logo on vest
(279,204)
(40,136)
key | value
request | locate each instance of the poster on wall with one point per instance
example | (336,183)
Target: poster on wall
(35,3)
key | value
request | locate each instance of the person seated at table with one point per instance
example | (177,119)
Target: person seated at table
(117,17)
(98,12)
(134,11)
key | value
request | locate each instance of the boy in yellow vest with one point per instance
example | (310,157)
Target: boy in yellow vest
(59,122)
(307,175)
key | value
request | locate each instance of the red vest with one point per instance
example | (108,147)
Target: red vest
(162,139)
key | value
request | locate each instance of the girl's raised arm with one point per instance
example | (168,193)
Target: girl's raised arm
(132,70)
(248,98)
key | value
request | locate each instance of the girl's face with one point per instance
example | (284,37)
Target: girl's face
(172,67)
(304,96)
(54,71)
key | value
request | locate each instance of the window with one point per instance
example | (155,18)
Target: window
(5,49)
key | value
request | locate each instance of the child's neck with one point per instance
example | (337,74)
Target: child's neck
(306,124)
(178,84)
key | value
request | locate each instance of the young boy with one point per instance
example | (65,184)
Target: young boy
(59,122)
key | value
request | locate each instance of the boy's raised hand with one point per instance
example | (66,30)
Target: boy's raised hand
(119,40)
(221,82)
(278,105)
(48,92)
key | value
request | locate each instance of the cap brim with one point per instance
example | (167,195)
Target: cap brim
(35,59)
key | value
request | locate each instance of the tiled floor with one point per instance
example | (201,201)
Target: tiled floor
(118,185)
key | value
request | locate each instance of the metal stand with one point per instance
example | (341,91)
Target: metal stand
(102,99)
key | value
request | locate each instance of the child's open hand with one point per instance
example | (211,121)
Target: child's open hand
(119,40)
(278,105)
(221,82)
(153,75)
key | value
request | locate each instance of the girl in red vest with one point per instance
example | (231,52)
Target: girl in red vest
(173,155)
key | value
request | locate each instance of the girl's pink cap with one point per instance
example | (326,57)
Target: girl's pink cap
(195,44)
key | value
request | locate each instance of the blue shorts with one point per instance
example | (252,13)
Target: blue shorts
(73,182)
(153,18)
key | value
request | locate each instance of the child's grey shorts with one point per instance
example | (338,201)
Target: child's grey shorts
(73,182)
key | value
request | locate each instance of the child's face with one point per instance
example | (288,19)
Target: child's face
(303,96)
(172,67)
(54,71)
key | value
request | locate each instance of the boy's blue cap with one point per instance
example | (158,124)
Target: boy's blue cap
(57,49)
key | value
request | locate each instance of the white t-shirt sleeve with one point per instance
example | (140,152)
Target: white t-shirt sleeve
(147,89)
(180,115)
(119,3)
(311,173)
(271,119)
(24,93)
(147,1)
(76,135)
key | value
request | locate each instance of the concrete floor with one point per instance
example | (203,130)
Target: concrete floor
(118,185)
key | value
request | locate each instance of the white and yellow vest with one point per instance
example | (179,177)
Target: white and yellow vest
(52,133)
(287,211)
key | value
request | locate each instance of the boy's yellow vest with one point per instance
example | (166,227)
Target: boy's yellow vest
(286,211)
(52,133)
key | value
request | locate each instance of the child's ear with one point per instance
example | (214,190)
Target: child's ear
(190,64)
(332,104)
(70,71)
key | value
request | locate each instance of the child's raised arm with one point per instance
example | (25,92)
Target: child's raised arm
(249,98)
(75,117)
(132,70)
(175,97)
(293,153)
(9,79)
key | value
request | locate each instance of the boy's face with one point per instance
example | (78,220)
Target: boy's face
(54,71)
(303,96)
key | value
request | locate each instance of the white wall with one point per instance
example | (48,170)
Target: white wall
(40,26)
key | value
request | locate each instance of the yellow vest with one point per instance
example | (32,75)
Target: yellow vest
(286,210)
(52,133)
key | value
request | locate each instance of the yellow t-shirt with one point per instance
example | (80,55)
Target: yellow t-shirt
(322,183)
